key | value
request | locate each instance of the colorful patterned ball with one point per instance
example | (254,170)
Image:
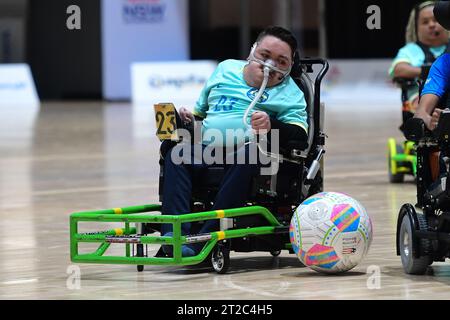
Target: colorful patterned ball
(330,232)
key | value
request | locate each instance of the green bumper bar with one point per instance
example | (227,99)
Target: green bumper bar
(140,214)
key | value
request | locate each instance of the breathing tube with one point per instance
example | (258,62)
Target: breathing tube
(269,65)
(258,95)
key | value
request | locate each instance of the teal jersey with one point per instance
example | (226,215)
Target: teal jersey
(414,55)
(226,96)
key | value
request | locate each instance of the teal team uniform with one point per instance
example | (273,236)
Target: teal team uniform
(226,96)
(414,55)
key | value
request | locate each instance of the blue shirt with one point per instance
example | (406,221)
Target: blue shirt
(439,77)
(226,96)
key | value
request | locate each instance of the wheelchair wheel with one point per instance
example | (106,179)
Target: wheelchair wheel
(411,264)
(394,149)
(220,259)
(275,253)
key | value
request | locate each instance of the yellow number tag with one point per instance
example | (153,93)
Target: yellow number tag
(165,121)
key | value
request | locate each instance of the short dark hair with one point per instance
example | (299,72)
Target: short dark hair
(282,34)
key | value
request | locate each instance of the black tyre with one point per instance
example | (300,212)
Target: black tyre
(411,264)
(275,253)
(395,177)
(220,259)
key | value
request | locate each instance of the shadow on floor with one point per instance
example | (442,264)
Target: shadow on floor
(438,272)
(244,265)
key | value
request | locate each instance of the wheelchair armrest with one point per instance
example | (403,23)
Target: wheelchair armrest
(296,145)
(404,82)
(293,147)
(442,131)
(415,129)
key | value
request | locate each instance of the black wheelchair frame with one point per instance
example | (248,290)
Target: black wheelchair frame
(424,237)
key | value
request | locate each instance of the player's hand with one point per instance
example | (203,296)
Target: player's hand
(186,115)
(260,122)
(435,118)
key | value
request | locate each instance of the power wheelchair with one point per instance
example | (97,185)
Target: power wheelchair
(262,225)
(402,159)
(423,230)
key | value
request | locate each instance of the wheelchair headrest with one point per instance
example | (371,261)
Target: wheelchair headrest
(442,13)
(296,70)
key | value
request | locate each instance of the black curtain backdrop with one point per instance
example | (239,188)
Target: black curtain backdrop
(349,37)
(66,64)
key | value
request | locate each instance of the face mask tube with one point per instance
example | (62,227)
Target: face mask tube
(266,64)
(269,65)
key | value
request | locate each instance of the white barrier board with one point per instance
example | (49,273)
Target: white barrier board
(17,85)
(364,83)
(154,82)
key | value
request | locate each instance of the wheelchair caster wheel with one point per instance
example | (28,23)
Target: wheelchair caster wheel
(275,253)
(411,264)
(394,149)
(220,259)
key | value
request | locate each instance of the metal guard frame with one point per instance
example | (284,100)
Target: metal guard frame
(129,236)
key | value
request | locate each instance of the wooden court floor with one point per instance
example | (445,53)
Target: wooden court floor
(67,157)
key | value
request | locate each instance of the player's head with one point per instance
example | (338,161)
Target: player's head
(282,34)
(423,27)
(442,13)
(275,48)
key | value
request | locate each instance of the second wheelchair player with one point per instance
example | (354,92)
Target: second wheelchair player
(222,105)
(426,40)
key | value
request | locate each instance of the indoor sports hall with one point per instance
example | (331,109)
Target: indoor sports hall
(78,83)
